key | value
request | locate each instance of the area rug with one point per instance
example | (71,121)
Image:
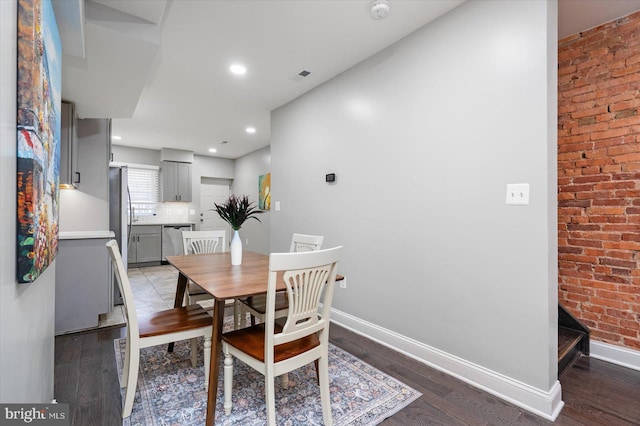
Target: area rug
(171,392)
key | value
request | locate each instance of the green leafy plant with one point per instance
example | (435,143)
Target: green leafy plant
(236,210)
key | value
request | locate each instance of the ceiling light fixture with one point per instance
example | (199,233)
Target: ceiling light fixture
(380,9)
(238,69)
(213,150)
(116,137)
(250,130)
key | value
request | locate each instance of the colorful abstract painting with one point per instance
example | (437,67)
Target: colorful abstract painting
(264,191)
(39,102)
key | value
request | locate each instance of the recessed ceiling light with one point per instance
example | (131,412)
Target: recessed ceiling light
(250,130)
(213,150)
(238,69)
(116,137)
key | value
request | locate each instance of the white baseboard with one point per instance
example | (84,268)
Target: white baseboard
(615,354)
(546,404)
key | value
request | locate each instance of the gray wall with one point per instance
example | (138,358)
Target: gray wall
(26,310)
(126,154)
(246,171)
(423,138)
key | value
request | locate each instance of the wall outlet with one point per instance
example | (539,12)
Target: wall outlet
(343,283)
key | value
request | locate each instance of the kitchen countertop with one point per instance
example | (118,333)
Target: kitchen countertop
(85,235)
(162,223)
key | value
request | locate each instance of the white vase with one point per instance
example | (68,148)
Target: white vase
(236,249)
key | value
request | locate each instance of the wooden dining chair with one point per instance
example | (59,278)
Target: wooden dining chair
(274,349)
(170,325)
(256,305)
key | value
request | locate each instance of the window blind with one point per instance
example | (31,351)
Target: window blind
(144,187)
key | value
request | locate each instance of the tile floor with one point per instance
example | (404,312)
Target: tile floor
(154,287)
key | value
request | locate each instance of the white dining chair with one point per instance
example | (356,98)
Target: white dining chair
(256,305)
(200,242)
(170,325)
(273,349)
(304,242)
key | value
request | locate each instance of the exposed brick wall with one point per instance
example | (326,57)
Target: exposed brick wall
(599,179)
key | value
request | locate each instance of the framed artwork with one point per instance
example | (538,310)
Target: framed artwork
(38,155)
(264,192)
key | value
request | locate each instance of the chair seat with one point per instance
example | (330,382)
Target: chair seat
(259,303)
(251,341)
(173,320)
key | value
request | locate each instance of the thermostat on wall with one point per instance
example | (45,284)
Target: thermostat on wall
(330,177)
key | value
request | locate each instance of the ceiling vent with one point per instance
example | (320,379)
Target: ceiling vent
(302,74)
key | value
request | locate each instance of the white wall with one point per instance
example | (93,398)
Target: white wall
(423,138)
(247,170)
(26,310)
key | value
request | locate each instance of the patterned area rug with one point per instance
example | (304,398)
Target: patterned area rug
(171,392)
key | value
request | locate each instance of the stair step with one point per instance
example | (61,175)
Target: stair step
(567,340)
(568,347)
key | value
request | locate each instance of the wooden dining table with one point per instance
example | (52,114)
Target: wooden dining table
(223,281)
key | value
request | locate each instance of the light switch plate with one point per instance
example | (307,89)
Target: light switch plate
(518,194)
(277,206)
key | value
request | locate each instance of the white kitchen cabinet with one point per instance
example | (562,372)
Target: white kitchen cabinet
(145,244)
(176,181)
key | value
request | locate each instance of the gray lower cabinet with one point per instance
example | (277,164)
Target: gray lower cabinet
(145,244)
(84,281)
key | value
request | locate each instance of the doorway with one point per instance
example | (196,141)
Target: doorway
(213,191)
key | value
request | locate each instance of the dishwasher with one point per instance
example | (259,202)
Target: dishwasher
(172,240)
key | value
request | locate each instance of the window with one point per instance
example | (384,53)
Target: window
(143,187)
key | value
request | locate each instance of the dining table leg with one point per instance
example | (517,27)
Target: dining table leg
(216,348)
(180,289)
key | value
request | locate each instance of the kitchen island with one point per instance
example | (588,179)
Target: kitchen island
(84,281)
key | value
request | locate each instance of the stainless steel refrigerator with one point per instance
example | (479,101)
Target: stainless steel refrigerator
(119,215)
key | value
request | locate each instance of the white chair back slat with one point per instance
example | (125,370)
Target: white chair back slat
(204,246)
(305,287)
(200,242)
(304,242)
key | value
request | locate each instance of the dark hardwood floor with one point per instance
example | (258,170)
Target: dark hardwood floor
(595,392)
